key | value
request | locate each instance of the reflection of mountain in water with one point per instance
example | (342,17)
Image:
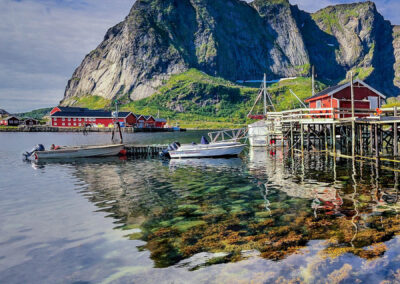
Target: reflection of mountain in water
(269,207)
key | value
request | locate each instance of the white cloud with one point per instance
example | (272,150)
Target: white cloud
(43,41)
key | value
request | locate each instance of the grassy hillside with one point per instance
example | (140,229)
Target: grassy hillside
(36,114)
(197,100)
(91,102)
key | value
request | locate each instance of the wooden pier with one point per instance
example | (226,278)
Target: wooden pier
(144,151)
(353,133)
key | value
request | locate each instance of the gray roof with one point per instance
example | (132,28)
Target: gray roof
(326,91)
(90,113)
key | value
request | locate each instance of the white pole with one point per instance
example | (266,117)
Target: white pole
(265,93)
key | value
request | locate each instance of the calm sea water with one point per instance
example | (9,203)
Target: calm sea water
(259,218)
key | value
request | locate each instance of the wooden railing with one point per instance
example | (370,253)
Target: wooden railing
(321,113)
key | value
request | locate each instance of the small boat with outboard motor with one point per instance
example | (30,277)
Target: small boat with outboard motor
(85,151)
(203,150)
(39,152)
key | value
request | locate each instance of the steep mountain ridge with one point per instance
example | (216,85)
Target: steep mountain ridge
(236,40)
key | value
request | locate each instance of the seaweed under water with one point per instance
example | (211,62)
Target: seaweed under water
(271,206)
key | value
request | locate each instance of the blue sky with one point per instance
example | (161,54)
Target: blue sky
(43,41)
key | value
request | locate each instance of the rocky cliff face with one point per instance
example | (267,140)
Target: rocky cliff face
(236,40)
(351,37)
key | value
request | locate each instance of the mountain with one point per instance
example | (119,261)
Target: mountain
(236,40)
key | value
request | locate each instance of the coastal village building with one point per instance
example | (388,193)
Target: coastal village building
(10,121)
(79,117)
(365,97)
(30,121)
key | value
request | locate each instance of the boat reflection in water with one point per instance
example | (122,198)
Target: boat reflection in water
(219,163)
(308,212)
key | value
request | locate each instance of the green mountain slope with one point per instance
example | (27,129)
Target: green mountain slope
(196,99)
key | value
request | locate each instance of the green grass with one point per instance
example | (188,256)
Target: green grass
(91,102)
(194,96)
(36,114)
(284,100)
(392,102)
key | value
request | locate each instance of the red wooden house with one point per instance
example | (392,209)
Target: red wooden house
(365,97)
(160,122)
(10,121)
(78,117)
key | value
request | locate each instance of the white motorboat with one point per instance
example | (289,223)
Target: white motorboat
(215,149)
(77,152)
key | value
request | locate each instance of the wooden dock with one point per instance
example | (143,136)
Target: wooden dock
(46,128)
(144,151)
(356,133)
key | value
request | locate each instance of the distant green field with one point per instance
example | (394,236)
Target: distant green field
(36,114)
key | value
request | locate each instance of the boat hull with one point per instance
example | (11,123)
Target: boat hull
(207,151)
(80,152)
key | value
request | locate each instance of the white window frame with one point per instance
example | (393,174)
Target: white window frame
(318,104)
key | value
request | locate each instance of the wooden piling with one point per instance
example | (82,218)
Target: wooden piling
(334,138)
(302,137)
(395,136)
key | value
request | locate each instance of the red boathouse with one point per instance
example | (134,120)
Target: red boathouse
(78,117)
(365,97)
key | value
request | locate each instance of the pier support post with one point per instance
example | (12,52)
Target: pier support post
(371,141)
(376,144)
(334,137)
(395,137)
(361,139)
(291,138)
(326,137)
(353,137)
(302,137)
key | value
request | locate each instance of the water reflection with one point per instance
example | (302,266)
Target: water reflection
(219,163)
(197,213)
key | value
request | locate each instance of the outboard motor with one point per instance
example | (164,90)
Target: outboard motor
(37,148)
(172,147)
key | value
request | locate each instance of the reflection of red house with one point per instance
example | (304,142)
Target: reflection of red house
(365,97)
